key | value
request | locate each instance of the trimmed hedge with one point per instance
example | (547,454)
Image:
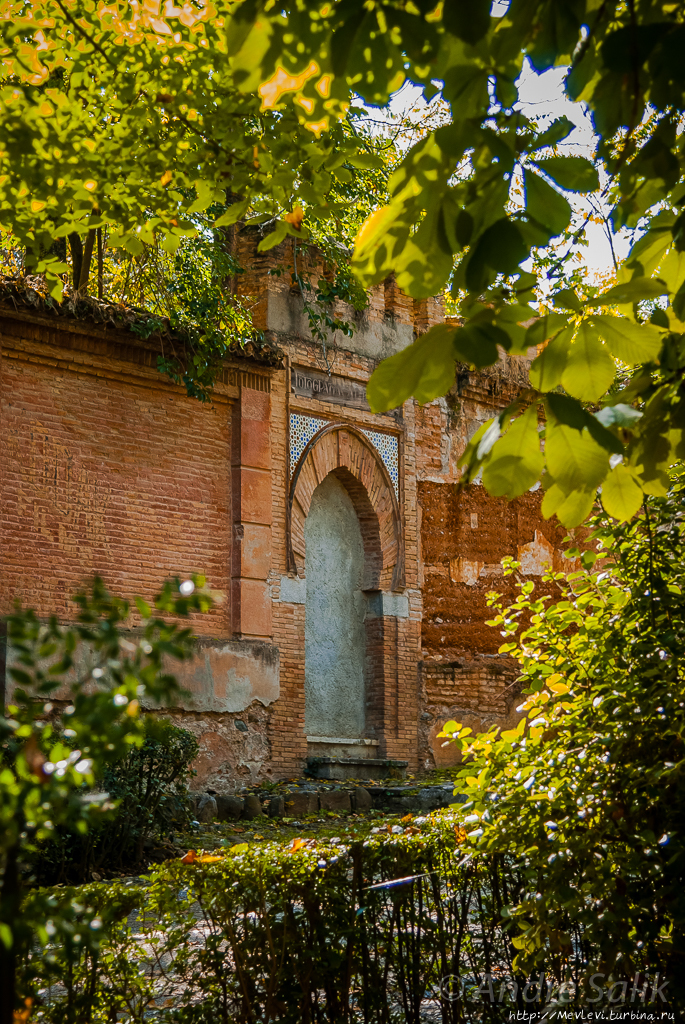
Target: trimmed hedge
(315,932)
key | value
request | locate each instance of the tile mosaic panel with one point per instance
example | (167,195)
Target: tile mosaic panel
(302,430)
(387,447)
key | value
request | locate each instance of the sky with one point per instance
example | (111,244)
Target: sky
(542,96)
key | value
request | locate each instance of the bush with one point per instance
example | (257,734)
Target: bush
(399,928)
(585,797)
(52,760)
(148,787)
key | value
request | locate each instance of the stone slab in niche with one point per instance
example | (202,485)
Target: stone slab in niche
(342,768)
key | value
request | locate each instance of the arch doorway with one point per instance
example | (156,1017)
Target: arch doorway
(335,638)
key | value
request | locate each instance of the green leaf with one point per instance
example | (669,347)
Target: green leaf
(570,412)
(550,209)
(515,461)
(631,343)
(567,299)
(635,290)
(281,231)
(477,344)
(367,161)
(678,302)
(469,22)
(424,370)
(572,173)
(143,608)
(425,262)
(466,89)
(557,131)
(574,459)
(571,509)
(547,369)
(205,194)
(618,415)
(590,369)
(233,214)
(500,247)
(621,495)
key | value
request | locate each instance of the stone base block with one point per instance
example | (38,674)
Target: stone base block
(297,805)
(335,800)
(229,807)
(343,768)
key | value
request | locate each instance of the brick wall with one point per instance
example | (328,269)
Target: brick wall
(106,469)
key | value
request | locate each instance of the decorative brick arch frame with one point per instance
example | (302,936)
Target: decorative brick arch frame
(347,453)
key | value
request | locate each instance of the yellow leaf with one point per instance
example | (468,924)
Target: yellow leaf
(281,82)
(295,218)
(20,1016)
(166,178)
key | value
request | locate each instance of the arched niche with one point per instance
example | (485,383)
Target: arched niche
(344,451)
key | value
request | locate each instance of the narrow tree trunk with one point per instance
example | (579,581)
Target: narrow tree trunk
(76,246)
(9,912)
(100,270)
(3,663)
(87,259)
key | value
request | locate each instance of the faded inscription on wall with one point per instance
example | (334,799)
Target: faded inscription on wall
(341,390)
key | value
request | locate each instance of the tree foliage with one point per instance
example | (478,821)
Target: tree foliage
(584,794)
(54,755)
(136,118)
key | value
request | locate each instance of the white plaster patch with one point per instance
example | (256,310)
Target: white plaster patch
(536,556)
(228,677)
(395,606)
(464,571)
(293,590)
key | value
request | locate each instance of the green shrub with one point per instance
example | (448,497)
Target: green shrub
(585,797)
(317,932)
(149,791)
(52,759)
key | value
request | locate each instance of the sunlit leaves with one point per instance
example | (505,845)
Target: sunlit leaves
(574,459)
(500,249)
(548,208)
(548,367)
(635,290)
(589,368)
(621,495)
(425,369)
(515,461)
(630,342)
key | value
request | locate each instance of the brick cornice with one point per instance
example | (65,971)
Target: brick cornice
(69,345)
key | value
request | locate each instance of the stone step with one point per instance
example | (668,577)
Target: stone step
(341,769)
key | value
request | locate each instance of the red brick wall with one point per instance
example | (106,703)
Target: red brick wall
(106,472)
